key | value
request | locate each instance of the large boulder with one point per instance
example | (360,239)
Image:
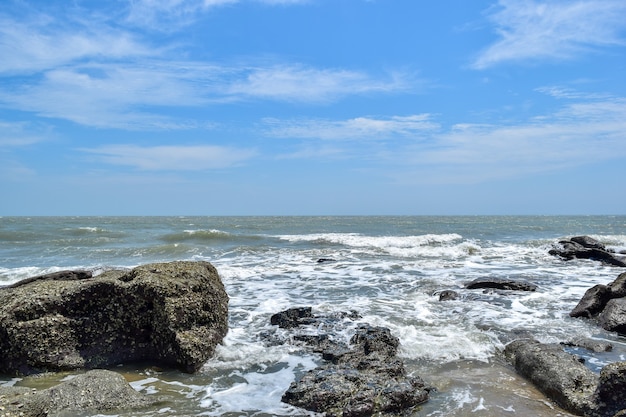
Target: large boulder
(170,314)
(95,391)
(564,378)
(585,247)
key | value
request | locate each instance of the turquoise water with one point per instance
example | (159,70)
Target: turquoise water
(389,269)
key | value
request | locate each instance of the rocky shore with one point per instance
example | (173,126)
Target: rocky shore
(174,315)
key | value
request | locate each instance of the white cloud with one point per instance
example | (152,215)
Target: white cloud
(357,128)
(554,29)
(172,158)
(303,84)
(579,134)
(41,44)
(18,134)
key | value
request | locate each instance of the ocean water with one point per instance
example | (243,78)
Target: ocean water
(388,269)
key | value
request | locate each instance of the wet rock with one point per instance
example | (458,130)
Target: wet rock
(500,284)
(360,379)
(607,304)
(593,302)
(97,391)
(613,317)
(590,344)
(448,295)
(559,375)
(585,247)
(293,317)
(170,314)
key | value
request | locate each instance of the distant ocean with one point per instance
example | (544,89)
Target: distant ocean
(389,269)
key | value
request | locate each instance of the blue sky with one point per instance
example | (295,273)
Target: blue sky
(304,107)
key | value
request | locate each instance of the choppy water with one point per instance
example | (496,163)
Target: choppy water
(389,269)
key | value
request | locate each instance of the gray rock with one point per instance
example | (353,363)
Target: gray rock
(96,391)
(170,314)
(609,397)
(590,344)
(593,302)
(613,317)
(618,287)
(448,295)
(501,284)
(559,375)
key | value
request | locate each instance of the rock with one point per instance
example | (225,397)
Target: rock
(448,295)
(96,391)
(322,260)
(501,284)
(170,314)
(559,375)
(361,379)
(609,397)
(585,247)
(593,302)
(613,317)
(590,344)
(618,287)
(293,317)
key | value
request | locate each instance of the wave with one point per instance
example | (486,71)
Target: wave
(206,235)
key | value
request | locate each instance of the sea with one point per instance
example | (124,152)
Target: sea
(389,269)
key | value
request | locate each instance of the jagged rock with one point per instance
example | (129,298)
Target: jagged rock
(293,317)
(559,375)
(585,247)
(609,397)
(171,314)
(607,303)
(96,391)
(500,284)
(361,379)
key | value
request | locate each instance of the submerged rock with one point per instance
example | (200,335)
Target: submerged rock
(501,284)
(363,378)
(96,391)
(171,314)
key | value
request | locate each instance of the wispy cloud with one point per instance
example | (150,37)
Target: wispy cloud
(299,83)
(553,29)
(367,128)
(18,134)
(172,158)
(580,133)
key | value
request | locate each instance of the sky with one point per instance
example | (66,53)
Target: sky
(312,107)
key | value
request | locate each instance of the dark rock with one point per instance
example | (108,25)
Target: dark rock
(322,260)
(362,379)
(448,295)
(171,314)
(559,375)
(584,247)
(613,317)
(593,302)
(609,397)
(97,391)
(54,276)
(618,287)
(500,284)
(588,242)
(293,317)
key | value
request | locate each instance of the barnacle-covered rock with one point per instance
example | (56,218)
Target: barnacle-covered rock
(171,314)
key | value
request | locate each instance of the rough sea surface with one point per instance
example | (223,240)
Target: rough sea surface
(388,269)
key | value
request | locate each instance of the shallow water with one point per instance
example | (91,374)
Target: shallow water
(388,269)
